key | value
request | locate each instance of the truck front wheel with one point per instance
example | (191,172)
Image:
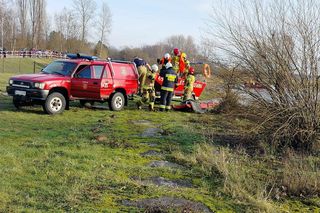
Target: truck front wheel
(16,103)
(117,101)
(55,103)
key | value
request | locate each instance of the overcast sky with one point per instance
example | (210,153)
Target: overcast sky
(139,22)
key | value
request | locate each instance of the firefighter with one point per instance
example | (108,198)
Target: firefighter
(143,68)
(170,81)
(165,59)
(148,91)
(188,84)
(176,59)
(184,65)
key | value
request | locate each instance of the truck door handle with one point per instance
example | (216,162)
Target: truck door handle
(95,83)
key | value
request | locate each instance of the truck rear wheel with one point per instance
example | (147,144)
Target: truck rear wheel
(117,101)
(55,103)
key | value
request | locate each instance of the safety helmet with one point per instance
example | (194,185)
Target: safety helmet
(154,68)
(191,70)
(167,56)
(168,65)
(176,51)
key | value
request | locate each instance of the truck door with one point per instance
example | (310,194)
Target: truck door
(107,83)
(86,82)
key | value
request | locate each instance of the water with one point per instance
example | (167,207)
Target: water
(245,99)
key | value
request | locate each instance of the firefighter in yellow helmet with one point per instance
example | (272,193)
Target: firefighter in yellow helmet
(188,84)
(148,91)
(184,65)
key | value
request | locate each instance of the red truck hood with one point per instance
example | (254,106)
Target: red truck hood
(39,77)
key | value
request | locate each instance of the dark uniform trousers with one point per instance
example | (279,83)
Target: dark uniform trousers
(165,99)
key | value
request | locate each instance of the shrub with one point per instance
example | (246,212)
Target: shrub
(276,43)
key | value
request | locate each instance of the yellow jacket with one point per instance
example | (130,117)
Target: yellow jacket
(189,81)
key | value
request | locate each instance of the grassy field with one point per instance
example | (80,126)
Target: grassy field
(91,160)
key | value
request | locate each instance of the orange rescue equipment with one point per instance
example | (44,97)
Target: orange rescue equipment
(206,71)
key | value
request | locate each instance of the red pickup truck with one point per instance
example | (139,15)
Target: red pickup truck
(83,78)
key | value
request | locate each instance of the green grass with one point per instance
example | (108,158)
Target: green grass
(16,66)
(54,163)
(22,65)
(84,160)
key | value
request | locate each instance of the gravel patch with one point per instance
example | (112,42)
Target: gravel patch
(163,204)
(151,153)
(157,164)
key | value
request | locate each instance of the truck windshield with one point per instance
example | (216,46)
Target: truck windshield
(60,68)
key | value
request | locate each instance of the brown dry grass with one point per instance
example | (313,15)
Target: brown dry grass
(301,175)
(239,180)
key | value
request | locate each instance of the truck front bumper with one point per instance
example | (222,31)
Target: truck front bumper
(27,95)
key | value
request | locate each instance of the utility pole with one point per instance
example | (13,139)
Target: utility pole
(2,44)
(2,33)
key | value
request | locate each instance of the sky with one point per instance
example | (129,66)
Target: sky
(145,22)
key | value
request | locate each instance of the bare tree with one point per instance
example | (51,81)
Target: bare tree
(85,9)
(61,27)
(47,28)
(11,29)
(66,25)
(277,43)
(43,23)
(37,18)
(104,24)
(22,8)
(186,44)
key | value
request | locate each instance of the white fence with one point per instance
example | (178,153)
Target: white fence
(32,54)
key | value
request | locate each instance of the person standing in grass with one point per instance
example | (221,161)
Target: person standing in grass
(188,84)
(142,67)
(148,91)
(170,81)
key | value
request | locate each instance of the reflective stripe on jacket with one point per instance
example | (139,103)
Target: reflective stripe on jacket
(170,79)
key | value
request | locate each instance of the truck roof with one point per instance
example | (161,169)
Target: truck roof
(95,61)
(78,58)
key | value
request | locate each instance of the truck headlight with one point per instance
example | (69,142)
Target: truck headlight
(39,85)
(10,82)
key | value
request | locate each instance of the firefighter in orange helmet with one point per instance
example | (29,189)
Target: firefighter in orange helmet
(176,59)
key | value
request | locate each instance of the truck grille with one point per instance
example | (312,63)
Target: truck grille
(22,84)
